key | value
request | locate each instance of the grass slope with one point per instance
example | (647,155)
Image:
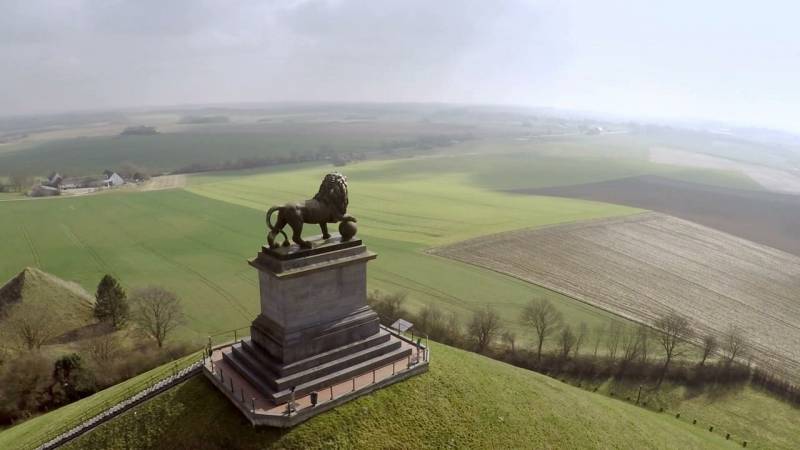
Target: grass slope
(176,239)
(745,412)
(34,431)
(465,401)
(69,301)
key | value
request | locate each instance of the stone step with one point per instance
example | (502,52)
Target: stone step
(249,357)
(345,361)
(259,382)
(344,374)
(281,371)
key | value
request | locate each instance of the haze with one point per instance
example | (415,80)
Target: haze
(735,61)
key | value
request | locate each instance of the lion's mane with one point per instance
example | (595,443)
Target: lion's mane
(333,192)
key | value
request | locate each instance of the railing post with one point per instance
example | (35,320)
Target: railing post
(231,380)
(253,402)
(354,384)
(242,390)
(221,377)
(331,392)
(373,377)
(393,363)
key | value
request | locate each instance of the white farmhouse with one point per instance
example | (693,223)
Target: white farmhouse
(113,180)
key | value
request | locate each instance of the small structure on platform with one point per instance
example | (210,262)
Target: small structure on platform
(316,343)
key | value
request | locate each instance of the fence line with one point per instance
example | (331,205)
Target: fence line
(120,403)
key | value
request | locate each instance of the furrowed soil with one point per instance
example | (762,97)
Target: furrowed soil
(765,217)
(643,265)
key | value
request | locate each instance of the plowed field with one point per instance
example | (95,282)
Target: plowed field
(638,266)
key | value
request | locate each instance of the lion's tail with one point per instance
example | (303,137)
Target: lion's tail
(269,217)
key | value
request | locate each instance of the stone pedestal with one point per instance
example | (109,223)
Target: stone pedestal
(315,328)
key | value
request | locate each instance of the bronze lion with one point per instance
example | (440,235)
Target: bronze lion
(328,206)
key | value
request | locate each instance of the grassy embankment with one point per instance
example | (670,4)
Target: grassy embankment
(33,431)
(465,401)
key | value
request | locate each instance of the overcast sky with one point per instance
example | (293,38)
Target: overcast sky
(731,60)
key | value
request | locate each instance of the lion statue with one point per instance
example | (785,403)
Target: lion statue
(328,206)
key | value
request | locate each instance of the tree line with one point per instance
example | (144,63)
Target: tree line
(684,355)
(130,335)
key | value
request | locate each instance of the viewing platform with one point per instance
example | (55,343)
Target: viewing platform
(261,409)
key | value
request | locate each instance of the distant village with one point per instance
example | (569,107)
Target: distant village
(55,184)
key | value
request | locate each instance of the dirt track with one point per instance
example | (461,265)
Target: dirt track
(764,217)
(642,265)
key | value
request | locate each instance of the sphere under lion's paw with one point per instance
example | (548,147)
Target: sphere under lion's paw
(348,230)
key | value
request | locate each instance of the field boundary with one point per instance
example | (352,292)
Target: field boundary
(586,249)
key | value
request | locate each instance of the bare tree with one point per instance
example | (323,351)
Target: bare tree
(544,318)
(157,312)
(734,344)
(103,348)
(674,330)
(710,347)
(484,327)
(644,342)
(566,341)
(431,320)
(631,342)
(615,332)
(21,182)
(599,332)
(31,325)
(510,338)
(583,332)
(452,330)
(389,307)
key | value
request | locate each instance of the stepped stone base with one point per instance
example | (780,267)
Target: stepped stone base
(275,380)
(226,367)
(315,333)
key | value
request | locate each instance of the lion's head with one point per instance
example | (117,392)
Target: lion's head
(333,192)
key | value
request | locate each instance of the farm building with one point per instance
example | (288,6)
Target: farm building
(113,180)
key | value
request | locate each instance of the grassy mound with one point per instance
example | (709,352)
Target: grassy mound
(67,300)
(465,401)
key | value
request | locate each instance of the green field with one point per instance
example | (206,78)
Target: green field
(465,401)
(197,244)
(196,241)
(213,144)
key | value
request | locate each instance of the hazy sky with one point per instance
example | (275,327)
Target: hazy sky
(731,60)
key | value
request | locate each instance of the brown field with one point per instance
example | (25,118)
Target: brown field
(639,266)
(765,217)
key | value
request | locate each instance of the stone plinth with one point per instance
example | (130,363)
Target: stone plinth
(315,328)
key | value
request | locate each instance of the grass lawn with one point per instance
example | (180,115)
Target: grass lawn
(465,401)
(747,413)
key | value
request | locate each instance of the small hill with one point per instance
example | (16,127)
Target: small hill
(67,300)
(465,401)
